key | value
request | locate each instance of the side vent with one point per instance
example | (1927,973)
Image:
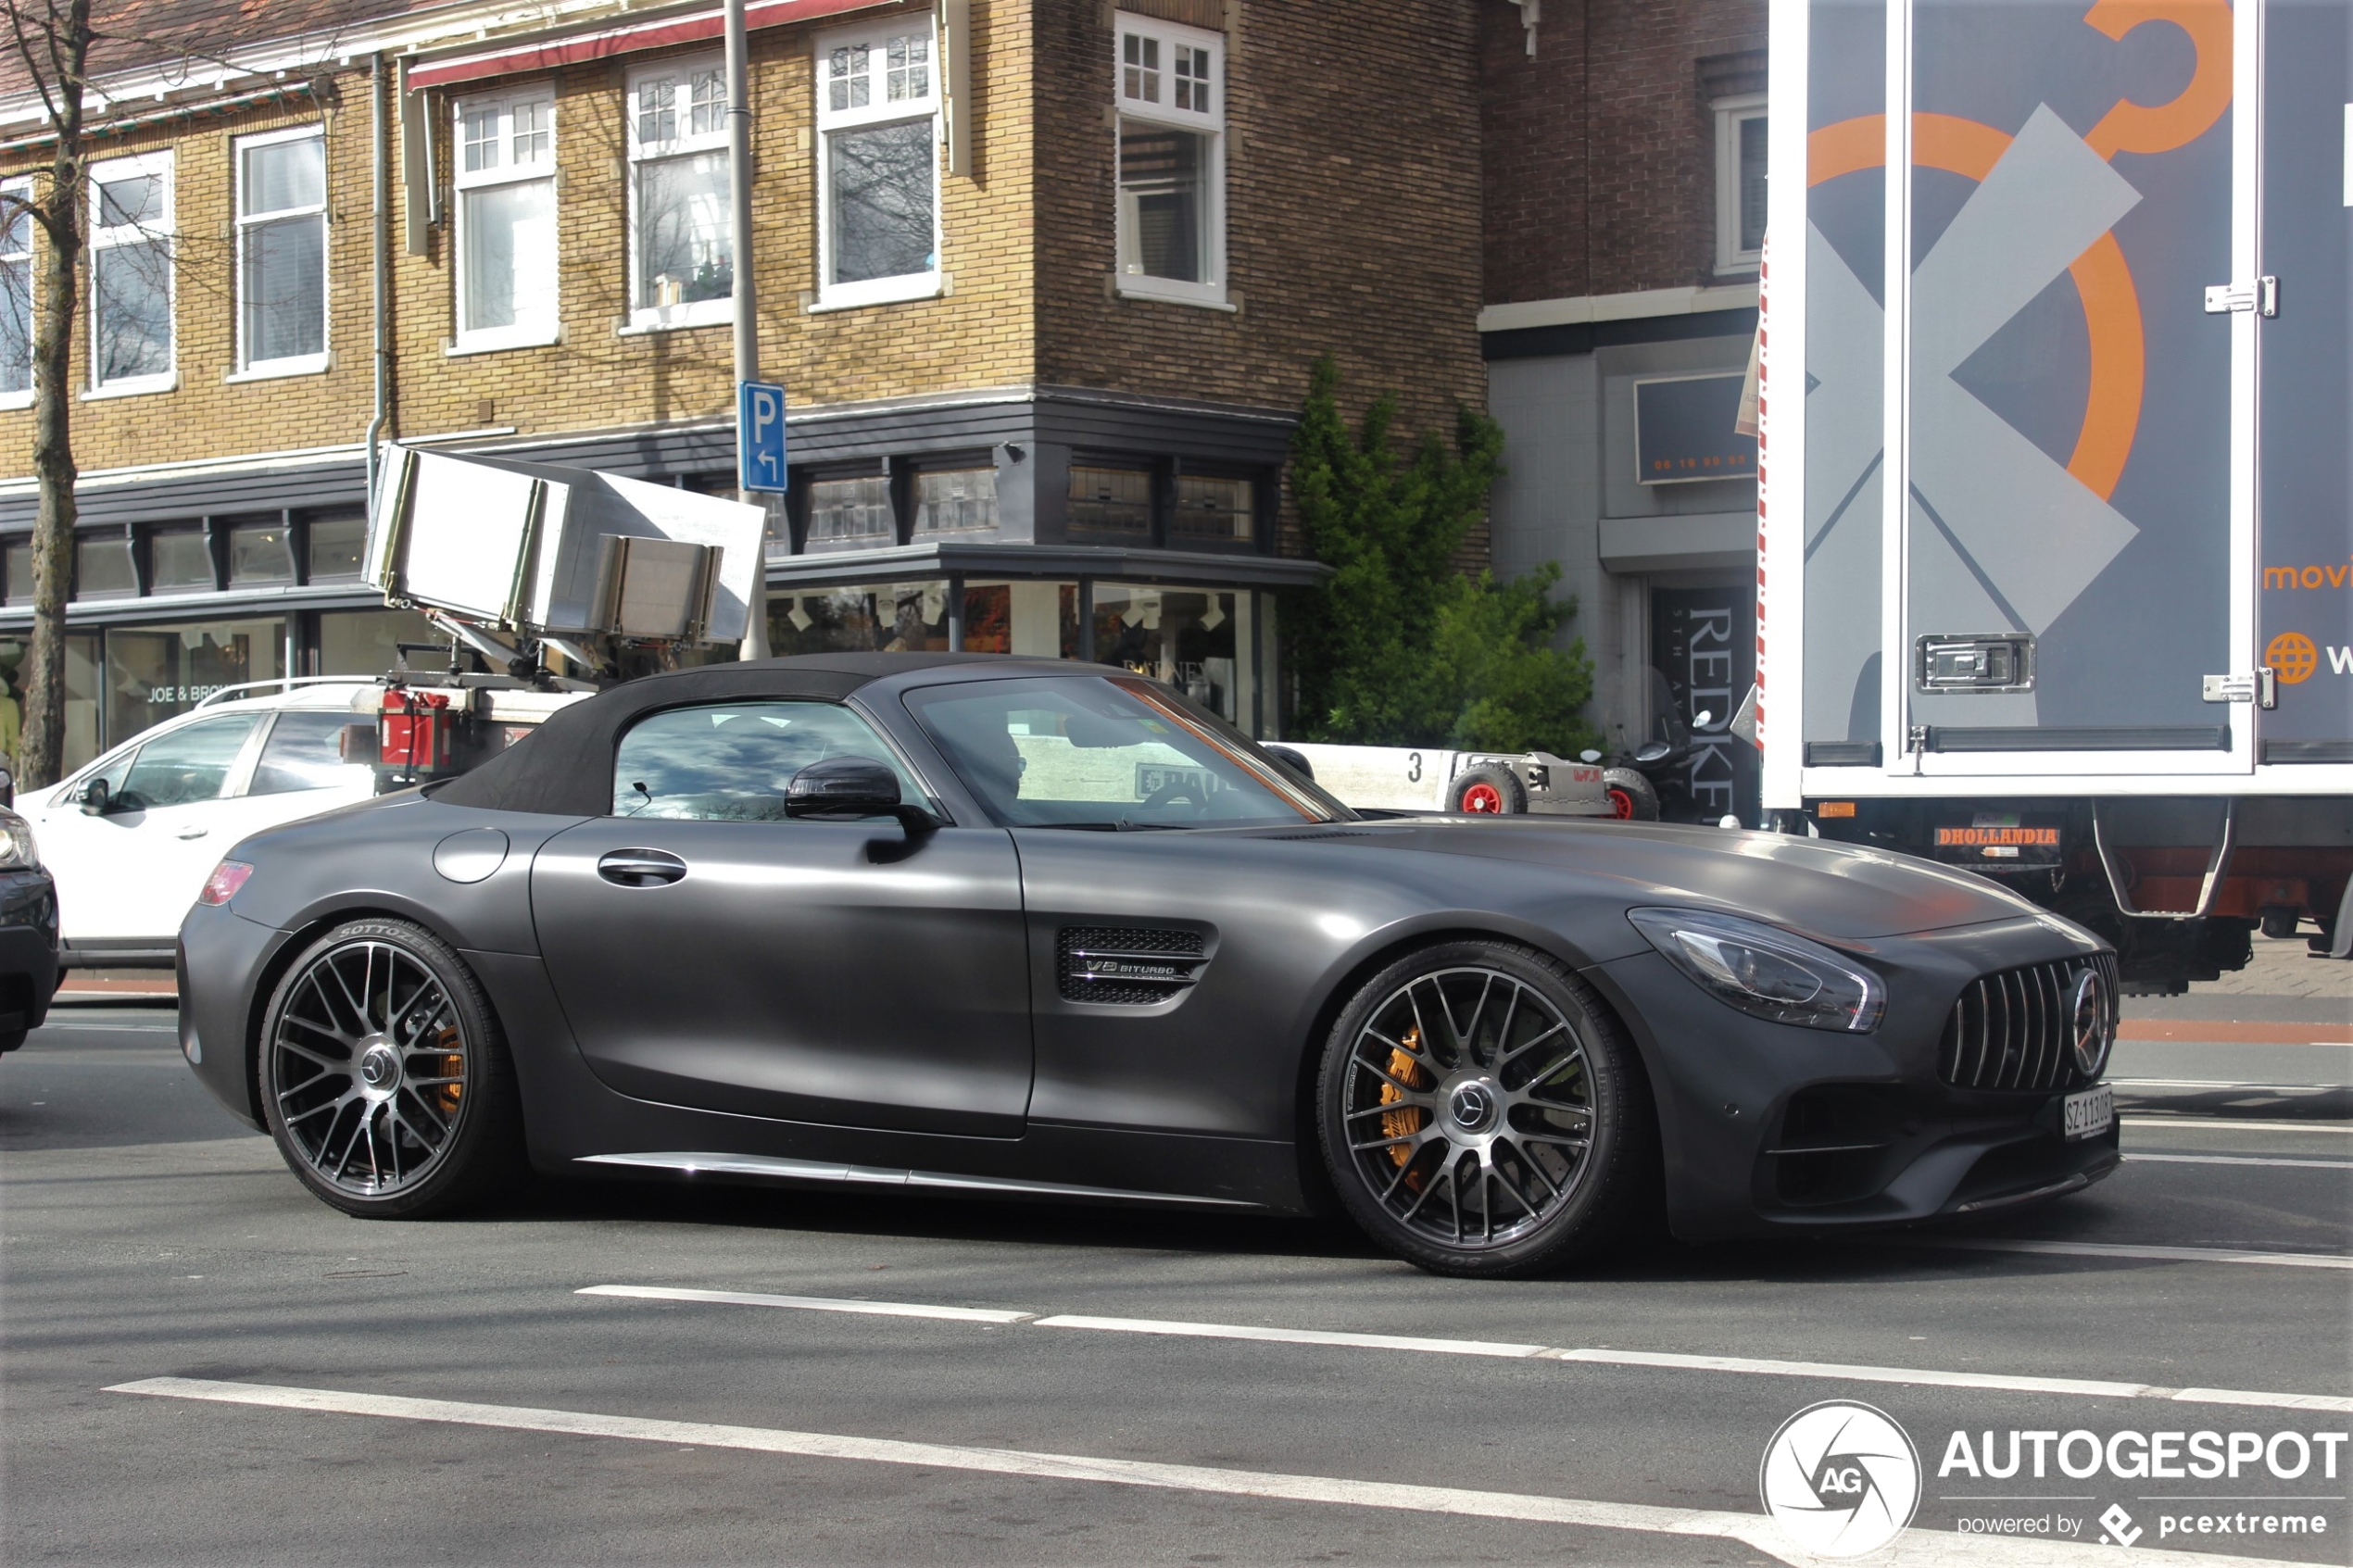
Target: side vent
(1126,965)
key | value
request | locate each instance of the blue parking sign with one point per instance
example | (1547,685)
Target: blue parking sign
(759,436)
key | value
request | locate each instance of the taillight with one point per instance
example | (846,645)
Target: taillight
(222,884)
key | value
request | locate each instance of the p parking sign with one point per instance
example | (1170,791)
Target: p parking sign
(759,436)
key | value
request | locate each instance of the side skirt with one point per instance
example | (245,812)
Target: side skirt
(875,1175)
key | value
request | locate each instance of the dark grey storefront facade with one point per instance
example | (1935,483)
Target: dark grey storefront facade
(1050,521)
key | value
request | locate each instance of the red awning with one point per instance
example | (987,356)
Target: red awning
(510,59)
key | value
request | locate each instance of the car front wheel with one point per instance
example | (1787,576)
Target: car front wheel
(1482,1114)
(384,1078)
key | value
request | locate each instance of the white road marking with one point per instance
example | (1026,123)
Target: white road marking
(1297,1337)
(809,1303)
(1828,1370)
(1914,1549)
(2154,1254)
(2136,1158)
(2202,1124)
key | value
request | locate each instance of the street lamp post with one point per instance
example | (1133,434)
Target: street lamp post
(755,643)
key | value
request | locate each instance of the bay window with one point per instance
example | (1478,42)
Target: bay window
(281,252)
(682,259)
(506,182)
(130,274)
(1170,92)
(878,183)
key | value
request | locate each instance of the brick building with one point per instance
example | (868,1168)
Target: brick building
(1624,146)
(1045,278)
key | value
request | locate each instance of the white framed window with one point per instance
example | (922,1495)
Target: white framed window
(281,252)
(130,274)
(681,259)
(1169,86)
(505,152)
(16,294)
(1740,182)
(879,165)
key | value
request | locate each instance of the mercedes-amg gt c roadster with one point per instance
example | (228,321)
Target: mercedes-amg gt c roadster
(1008,927)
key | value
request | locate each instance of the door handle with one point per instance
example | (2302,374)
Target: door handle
(640,868)
(194,832)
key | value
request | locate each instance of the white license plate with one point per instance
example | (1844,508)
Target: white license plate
(2089,1113)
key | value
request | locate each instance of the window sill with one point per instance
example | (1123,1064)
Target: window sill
(145,386)
(309,364)
(487,344)
(678,318)
(1200,296)
(883,291)
(15,400)
(1740,266)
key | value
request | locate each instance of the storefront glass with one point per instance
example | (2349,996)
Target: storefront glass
(1190,639)
(156,672)
(361,642)
(81,698)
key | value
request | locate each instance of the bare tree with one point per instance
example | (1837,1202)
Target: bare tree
(51,41)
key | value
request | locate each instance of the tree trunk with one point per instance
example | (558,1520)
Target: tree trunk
(42,757)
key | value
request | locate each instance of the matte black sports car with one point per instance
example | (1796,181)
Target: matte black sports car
(1000,926)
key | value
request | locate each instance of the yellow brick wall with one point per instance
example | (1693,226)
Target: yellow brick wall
(1353,199)
(209,415)
(980,334)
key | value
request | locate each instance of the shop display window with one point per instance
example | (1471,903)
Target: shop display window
(1185,638)
(81,698)
(180,559)
(152,672)
(879,618)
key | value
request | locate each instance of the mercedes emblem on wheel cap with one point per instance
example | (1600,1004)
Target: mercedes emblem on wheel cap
(379,1067)
(1471,1107)
(2087,1021)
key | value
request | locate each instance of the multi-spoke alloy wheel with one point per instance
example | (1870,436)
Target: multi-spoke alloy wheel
(1480,1111)
(381,1074)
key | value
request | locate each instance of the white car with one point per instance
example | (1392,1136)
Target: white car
(131,858)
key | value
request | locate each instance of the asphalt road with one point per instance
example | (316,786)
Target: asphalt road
(146,1236)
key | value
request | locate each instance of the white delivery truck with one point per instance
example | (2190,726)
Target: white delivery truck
(2056,571)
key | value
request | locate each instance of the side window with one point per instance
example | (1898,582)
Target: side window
(188,765)
(304,751)
(730,762)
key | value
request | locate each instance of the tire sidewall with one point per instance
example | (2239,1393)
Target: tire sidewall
(1600,1208)
(439,1188)
(1506,783)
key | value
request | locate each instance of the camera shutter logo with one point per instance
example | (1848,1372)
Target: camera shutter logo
(1840,1479)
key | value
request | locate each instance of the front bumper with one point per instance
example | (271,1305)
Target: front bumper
(220,960)
(1768,1128)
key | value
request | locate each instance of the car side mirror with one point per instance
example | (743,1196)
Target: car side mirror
(95,797)
(1655,751)
(845,788)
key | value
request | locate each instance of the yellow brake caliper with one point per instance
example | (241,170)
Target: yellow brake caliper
(1406,1120)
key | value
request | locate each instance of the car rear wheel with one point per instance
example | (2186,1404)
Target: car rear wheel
(1488,790)
(1482,1114)
(385,1077)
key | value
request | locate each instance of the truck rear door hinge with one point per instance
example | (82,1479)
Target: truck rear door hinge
(2262,296)
(1915,738)
(2262,688)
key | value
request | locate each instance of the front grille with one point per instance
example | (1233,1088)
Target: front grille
(2013,1029)
(1126,965)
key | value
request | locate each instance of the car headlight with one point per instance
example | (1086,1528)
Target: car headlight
(1766,972)
(17,851)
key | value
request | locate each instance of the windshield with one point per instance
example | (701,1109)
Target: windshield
(1113,752)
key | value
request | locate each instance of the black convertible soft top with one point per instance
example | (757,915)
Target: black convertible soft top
(564,768)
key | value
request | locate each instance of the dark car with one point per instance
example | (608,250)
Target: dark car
(997,926)
(28,932)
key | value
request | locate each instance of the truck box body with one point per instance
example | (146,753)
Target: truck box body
(2055,564)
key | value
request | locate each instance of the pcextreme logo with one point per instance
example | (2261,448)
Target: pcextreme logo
(2297,659)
